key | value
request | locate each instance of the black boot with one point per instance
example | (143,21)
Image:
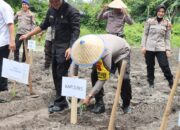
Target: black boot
(171,83)
(151,83)
(126,106)
(99,106)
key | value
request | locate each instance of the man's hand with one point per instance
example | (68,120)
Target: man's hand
(143,50)
(24,37)
(86,101)
(168,54)
(12,46)
(68,54)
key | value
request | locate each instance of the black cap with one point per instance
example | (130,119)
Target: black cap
(160,6)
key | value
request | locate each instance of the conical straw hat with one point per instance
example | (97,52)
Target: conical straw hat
(87,50)
(117,4)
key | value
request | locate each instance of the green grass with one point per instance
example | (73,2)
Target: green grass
(134,34)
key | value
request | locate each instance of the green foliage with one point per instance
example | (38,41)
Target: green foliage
(175,37)
(140,10)
(90,19)
(134,34)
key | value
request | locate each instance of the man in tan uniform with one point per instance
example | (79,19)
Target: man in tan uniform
(116,17)
(25,20)
(101,51)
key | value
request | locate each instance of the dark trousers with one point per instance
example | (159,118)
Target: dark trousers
(163,63)
(18,45)
(126,93)
(48,53)
(4,53)
(59,69)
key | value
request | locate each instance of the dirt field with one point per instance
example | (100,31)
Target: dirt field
(23,112)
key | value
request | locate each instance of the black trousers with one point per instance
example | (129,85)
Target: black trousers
(163,63)
(59,69)
(4,53)
(48,53)
(18,45)
(126,92)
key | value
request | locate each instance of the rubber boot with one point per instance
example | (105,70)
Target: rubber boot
(99,106)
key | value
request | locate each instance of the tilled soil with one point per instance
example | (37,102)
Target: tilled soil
(26,112)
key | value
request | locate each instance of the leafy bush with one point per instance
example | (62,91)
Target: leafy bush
(134,34)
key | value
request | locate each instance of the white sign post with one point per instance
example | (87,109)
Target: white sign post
(15,71)
(31,44)
(29,59)
(75,88)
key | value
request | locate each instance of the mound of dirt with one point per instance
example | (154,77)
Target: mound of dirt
(26,112)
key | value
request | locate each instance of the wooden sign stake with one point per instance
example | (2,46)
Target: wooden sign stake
(28,61)
(74,110)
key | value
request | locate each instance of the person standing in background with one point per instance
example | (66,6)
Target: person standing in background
(26,22)
(116,15)
(156,43)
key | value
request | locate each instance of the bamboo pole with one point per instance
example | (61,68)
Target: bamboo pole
(28,62)
(116,100)
(167,111)
(74,110)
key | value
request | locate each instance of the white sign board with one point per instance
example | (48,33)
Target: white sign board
(74,87)
(179,120)
(31,44)
(15,71)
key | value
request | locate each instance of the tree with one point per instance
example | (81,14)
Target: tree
(173,8)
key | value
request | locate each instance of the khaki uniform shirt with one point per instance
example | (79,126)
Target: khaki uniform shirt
(156,35)
(115,21)
(25,21)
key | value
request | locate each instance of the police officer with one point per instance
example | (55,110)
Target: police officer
(65,23)
(156,43)
(102,51)
(116,15)
(26,23)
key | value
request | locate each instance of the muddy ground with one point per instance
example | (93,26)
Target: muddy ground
(24,112)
